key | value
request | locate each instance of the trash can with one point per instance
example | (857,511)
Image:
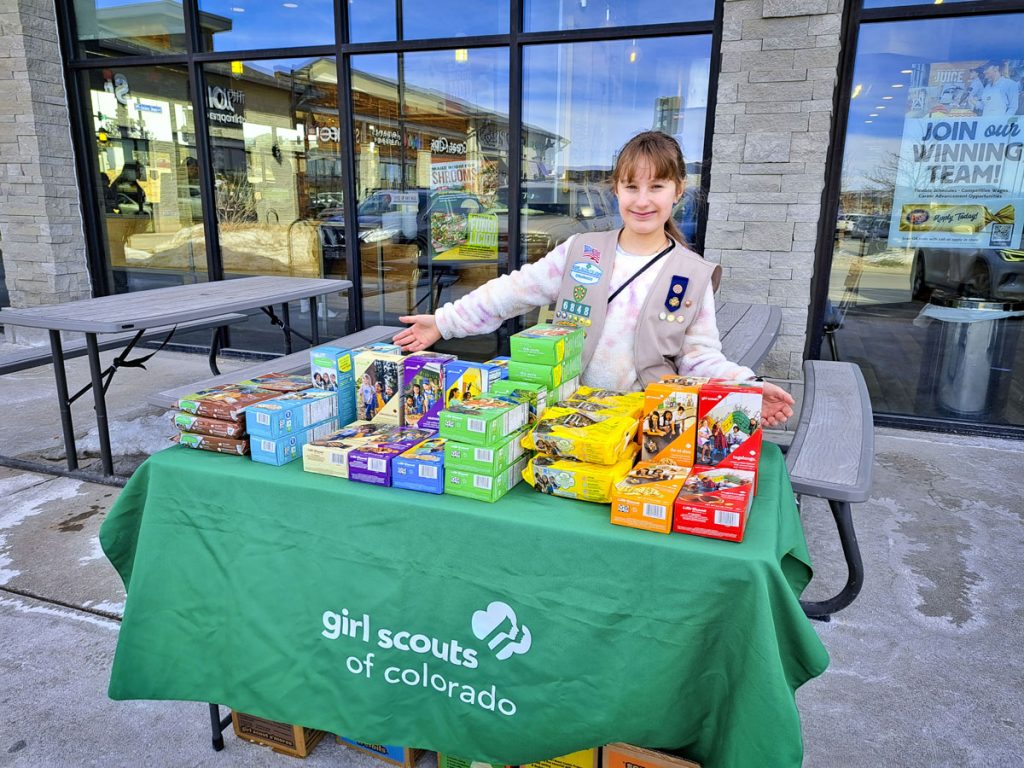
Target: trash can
(972,343)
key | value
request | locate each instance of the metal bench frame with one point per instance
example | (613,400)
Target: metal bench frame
(832,458)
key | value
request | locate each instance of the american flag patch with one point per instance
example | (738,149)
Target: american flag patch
(589,252)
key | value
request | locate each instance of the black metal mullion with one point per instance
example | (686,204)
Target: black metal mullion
(823,253)
(701,203)
(515,159)
(255,54)
(85,168)
(207,187)
(348,167)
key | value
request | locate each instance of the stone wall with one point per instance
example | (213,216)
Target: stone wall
(779,61)
(41,233)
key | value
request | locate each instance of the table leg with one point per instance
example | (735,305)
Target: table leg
(100,400)
(217,727)
(286,317)
(63,401)
(315,320)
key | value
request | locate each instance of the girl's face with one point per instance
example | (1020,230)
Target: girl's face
(645,203)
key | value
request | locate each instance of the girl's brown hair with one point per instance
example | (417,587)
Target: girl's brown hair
(662,155)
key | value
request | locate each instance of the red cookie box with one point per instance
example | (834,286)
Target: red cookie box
(715,502)
(734,407)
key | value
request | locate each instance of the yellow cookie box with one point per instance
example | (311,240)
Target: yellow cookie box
(577,479)
(621,403)
(596,438)
(645,498)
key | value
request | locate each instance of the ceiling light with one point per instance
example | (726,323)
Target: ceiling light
(897,85)
(873,114)
(869,121)
(290,5)
(856,91)
(238,9)
(906,71)
(886,98)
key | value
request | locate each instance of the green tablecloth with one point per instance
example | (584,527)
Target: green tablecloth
(239,574)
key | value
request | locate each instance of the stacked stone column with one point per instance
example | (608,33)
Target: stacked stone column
(41,235)
(778,75)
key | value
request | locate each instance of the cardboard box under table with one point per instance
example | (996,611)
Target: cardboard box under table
(294,740)
(401,756)
(616,616)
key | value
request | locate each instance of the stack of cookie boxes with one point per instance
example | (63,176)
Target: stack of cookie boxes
(585,444)
(546,354)
(701,441)
(214,419)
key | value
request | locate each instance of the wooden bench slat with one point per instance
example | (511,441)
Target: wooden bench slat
(297,362)
(42,355)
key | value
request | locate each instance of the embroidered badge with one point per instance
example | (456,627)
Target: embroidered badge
(674,297)
(590,252)
(585,273)
(579,293)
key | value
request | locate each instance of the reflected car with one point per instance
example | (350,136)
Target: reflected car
(552,211)
(983,273)
(870,228)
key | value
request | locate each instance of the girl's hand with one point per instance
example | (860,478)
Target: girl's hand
(421,333)
(777,405)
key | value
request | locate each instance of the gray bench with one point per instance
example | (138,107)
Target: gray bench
(748,331)
(43,355)
(831,457)
(298,362)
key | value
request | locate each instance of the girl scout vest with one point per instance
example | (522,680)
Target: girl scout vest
(671,305)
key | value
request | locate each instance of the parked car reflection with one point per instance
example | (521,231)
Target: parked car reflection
(984,273)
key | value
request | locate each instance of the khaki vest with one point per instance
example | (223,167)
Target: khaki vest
(662,325)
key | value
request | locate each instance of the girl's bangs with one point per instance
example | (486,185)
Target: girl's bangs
(661,164)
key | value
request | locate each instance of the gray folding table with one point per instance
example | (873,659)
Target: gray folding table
(149,309)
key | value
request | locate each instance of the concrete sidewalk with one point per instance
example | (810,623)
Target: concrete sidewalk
(926,665)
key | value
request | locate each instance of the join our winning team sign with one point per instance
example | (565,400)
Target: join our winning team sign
(450,667)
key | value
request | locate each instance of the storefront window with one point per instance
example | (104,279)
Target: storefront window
(927,272)
(276,150)
(233,25)
(581,103)
(431,133)
(543,15)
(109,28)
(147,175)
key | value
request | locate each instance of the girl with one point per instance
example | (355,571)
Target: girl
(644,299)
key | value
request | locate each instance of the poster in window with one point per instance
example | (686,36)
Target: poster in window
(960,177)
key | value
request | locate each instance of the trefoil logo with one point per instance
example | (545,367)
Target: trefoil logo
(498,625)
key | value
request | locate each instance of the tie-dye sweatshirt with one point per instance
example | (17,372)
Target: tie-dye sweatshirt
(612,365)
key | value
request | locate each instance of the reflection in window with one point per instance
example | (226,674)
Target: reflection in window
(232,25)
(543,15)
(108,28)
(147,175)
(432,177)
(449,18)
(275,144)
(930,219)
(581,103)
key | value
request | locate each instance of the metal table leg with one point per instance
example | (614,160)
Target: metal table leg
(217,726)
(314,320)
(63,401)
(100,400)
(287,326)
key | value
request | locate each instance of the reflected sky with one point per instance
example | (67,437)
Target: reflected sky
(272,23)
(888,55)
(543,15)
(597,95)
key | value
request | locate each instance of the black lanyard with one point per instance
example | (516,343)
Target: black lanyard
(640,271)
